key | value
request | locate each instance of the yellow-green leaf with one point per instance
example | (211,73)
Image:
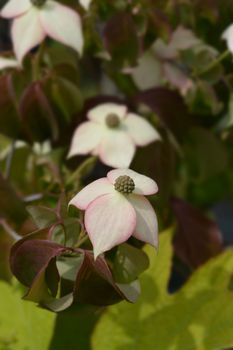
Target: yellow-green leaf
(198,317)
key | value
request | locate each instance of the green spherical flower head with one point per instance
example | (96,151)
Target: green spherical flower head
(124,184)
(112,120)
(38,3)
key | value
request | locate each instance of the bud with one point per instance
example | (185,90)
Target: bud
(112,120)
(38,3)
(124,184)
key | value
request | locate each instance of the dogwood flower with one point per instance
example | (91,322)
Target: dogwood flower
(112,133)
(162,62)
(116,208)
(36,19)
(228,36)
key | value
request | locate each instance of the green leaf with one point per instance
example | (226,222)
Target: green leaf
(227,121)
(66,96)
(68,233)
(199,316)
(129,263)
(9,118)
(121,41)
(205,155)
(68,267)
(203,100)
(11,206)
(42,216)
(23,325)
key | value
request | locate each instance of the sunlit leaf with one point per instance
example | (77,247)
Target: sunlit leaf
(23,324)
(199,316)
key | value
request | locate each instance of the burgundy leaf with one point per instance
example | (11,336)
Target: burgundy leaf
(120,38)
(170,108)
(95,284)
(31,256)
(36,112)
(9,117)
(198,238)
(11,206)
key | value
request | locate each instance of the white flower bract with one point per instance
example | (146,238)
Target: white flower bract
(31,24)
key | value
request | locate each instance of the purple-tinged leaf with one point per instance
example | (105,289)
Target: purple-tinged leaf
(37,114)
(120,38)
(95,284)
(9,116)
(12,207)
(29,257)
(198,238)
(158,161)
(170,108)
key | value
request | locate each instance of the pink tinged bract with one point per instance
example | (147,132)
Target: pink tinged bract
(109,220)
(99,113)
(228,36)
(89,193)
(27,33)
(144,185)
(86,138)
(146,224)
(140,130)
(62,24)
(15,8)
(116,149)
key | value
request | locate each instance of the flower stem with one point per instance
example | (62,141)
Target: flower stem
(10,231)
(83,169)
(36,63)
(9,160)
(214,63)
(81,241)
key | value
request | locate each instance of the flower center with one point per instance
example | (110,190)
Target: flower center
(112,120)
(38,3)
(124,184)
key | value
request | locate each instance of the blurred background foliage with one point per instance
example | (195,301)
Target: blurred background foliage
(166,61)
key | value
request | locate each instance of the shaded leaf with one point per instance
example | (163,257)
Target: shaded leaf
(205,154)
(202,99)
(95,284)
(68,267)
(67,233)
(42,216)
(37,114)
(30,258)
(198,238)
(11,206)
(129,263)
(61,304)
(130,290)
(9,117)
(66,96)
(121,40)
(5,247)
(158,161)
(73,328)
(170,108)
